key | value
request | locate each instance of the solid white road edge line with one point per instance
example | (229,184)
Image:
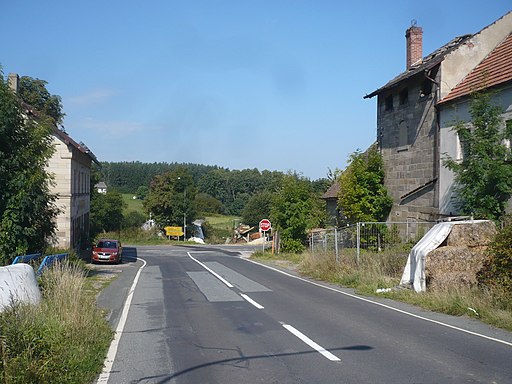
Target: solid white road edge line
(259,306)
(211,271)
(383,305)
(112,351)
(310,342)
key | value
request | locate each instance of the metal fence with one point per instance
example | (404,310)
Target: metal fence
(368,236)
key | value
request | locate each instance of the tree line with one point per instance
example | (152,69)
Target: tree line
(219,190)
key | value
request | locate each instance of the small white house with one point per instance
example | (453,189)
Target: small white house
(101,187)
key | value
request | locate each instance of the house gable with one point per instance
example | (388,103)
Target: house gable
(408,132)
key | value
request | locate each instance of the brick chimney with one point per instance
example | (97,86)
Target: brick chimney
(13,81)
(414,44)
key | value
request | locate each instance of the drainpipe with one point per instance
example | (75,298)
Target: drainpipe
(437,142)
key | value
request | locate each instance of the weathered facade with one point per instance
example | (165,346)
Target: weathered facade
(409,121)
(71,166)
(493,73)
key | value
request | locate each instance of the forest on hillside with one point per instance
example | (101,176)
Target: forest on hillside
(232,188)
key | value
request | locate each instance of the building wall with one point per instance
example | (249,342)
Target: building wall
(71,170)
(449,144)
(407,139)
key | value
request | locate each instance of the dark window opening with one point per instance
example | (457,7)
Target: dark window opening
(426,88)
(402,134)
(389,103)
(404,97)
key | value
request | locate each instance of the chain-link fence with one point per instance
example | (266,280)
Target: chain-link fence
(372,237)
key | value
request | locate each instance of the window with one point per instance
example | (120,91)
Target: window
(404,97)
(389,103)
(462,149)
(426,89)
(402,135)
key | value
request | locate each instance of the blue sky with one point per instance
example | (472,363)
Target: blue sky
(275,85)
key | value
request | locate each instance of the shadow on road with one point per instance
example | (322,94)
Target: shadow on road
(243,359)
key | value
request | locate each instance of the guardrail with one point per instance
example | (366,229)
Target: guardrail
(26,258)
(49,260)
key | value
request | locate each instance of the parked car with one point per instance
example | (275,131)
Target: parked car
(107,251)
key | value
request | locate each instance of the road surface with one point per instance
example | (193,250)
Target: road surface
(206,315)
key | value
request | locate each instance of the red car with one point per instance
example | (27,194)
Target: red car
(107,251)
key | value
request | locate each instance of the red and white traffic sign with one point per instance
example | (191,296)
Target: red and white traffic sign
(265,225)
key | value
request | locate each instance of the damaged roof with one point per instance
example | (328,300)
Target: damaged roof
(495,69)
(427,63)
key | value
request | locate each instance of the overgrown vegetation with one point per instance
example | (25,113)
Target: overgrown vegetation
(496,273)
(27,207)
(490,302)
(362,196)
(62,340)
(295,209)
(484,176)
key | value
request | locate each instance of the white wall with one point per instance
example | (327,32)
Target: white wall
(449,115)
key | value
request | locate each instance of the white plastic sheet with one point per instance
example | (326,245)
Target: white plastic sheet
(18,284)
(414,272)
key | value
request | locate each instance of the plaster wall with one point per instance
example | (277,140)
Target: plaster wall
(457,64)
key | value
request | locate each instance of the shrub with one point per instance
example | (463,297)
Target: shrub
(63,340)
(497,270)
(291,245)
(134,219)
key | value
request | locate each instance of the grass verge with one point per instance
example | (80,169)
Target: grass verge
(383,270)
(62,340)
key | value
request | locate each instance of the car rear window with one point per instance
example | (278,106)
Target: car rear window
(107,244)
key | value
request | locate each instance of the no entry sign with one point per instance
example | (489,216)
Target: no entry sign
(265,225)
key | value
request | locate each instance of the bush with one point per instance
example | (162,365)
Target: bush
(134,219)
(497,270)
(63,340)
(215,235)
(289,245)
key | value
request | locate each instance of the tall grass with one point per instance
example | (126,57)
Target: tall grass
(62,340)
(384,269)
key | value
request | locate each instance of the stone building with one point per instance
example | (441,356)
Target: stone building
(71,166)
(410,113)
(331,204)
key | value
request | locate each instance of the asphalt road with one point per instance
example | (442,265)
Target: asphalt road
(206,315)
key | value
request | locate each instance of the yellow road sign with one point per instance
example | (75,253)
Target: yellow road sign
(173,231)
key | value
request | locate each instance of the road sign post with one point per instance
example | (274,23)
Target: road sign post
(265,226)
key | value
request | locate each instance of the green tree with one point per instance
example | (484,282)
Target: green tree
(257,208)
(34,92)
(134,219)
(142,192)
(208,204)
(171,198)
(106,212)
(362,195)
(484,176)
(27,207)
(295,209)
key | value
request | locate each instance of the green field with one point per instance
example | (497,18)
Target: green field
(223,222)
(132,204)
